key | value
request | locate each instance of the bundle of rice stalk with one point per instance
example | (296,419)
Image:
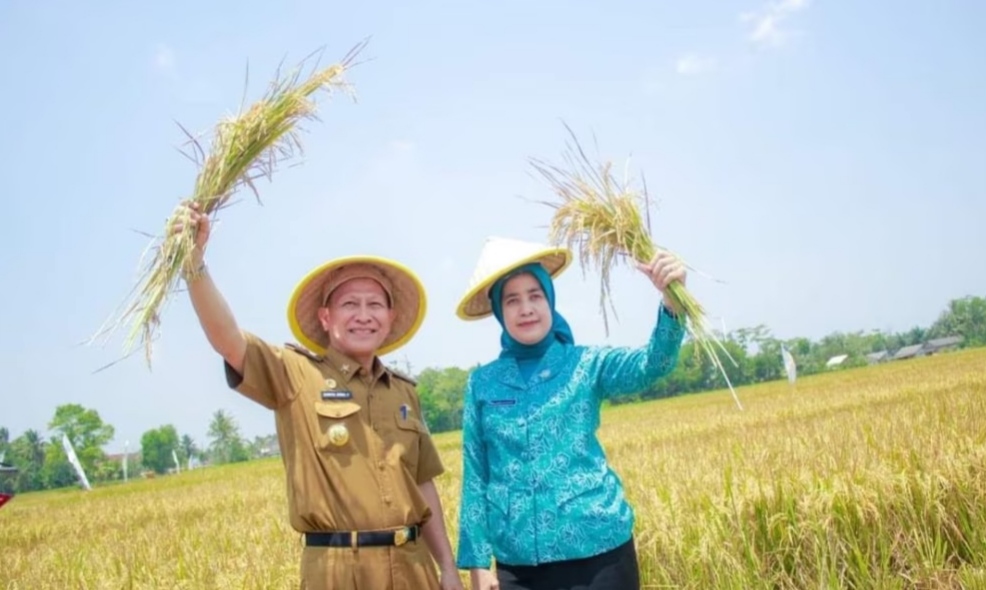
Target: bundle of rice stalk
(600,218)
(245,147)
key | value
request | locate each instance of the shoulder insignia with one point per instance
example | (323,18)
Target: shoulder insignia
(304,352)
(402,376)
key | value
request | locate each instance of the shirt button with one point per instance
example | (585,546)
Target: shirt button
(382,465)
(387,500)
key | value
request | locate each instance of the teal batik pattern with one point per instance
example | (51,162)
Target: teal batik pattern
(536,485)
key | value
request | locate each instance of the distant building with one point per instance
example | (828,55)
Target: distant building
(937,345)
(878,357)
(908,352)
(929,347)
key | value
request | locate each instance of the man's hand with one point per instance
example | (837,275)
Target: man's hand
(214,314)
(483,580)
(450,579)
(437,538)
(200,224)
(198,221)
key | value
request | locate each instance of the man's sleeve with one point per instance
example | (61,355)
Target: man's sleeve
(266,377)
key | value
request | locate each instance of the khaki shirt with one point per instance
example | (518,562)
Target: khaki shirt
(371,481)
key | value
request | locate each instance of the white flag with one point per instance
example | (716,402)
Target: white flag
(70,452)
(177,464)
(789,365)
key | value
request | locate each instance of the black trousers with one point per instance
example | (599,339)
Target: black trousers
(613,570)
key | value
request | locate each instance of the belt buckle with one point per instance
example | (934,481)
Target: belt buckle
(400,536)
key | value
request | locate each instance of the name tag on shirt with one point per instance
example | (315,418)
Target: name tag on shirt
(503,402)
(337,394)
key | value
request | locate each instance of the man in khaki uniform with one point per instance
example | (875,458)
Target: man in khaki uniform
(358,458)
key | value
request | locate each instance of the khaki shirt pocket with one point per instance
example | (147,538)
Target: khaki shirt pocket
(338,423)
(408,436)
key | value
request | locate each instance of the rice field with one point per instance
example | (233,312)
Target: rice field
(864,478)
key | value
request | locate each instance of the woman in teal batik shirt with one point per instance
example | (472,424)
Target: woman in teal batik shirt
(538,495)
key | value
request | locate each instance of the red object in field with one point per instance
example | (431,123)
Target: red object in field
(4,498)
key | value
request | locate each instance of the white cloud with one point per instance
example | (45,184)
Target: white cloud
(692,65)
(164,57)
(766,25)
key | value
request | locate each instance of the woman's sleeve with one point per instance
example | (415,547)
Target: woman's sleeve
(624,371)
(474,547)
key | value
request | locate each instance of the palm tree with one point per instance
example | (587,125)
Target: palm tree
(35,447)
(225,437)
(189,449)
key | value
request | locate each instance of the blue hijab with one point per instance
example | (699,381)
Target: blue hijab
(560,330)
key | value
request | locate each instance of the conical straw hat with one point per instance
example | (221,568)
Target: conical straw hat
(406,292)
(500,256)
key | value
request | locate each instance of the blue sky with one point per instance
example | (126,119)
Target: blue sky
(751,120)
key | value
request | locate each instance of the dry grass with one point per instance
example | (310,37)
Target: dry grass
(865,478)
(600,217)
(245,147)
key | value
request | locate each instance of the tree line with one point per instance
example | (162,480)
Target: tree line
(42,464)
(757,356)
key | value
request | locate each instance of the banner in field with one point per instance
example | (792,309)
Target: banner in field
(4,498)
(789,366)
(70,453)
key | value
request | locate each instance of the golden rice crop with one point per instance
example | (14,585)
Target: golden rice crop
(864,478)
(245,147)
(600,218)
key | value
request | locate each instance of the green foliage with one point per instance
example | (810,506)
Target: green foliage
(441,392)
(263,446)
(755,350)
(964,317)
(227,446)
(188,449)
(56,471)
(87,432)
(83,427)
(27,454)
(156,446)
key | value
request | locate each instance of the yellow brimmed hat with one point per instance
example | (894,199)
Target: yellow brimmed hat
(404,288)
(499,257)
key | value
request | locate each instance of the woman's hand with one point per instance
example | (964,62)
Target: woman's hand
(663,269)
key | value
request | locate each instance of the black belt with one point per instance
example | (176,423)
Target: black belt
(363,538)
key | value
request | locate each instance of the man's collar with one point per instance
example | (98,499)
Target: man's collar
(349,368)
